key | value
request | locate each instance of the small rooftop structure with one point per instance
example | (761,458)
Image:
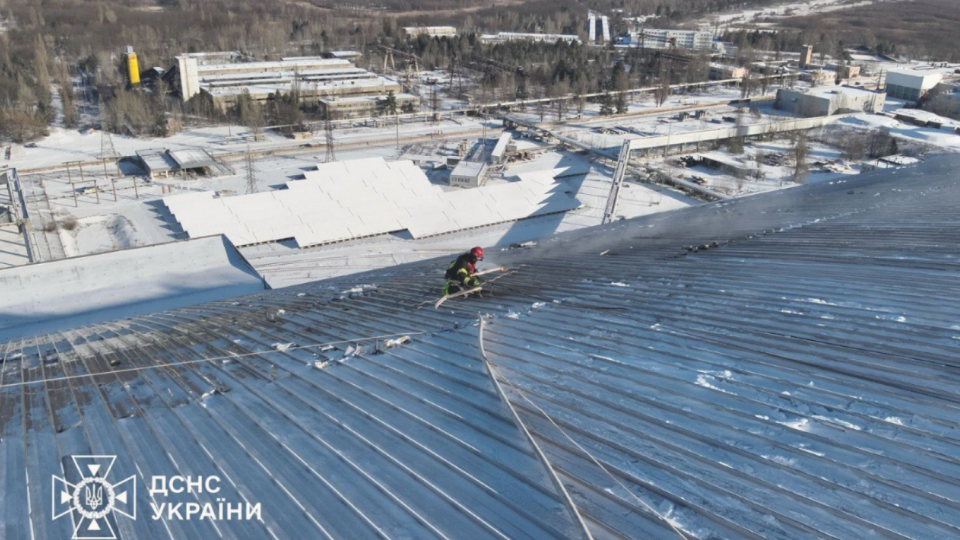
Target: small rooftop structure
(500,150)
(468,174)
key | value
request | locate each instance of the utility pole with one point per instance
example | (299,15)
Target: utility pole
(328,135)
(72,188)
(251,173)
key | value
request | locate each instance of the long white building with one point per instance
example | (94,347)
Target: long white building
(652,38)
(504,37)
(223,79)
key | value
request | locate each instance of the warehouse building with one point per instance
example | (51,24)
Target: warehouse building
(223,79)
(829,100)
(911,84)
(366,106)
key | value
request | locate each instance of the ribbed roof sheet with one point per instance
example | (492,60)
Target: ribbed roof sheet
(798,379)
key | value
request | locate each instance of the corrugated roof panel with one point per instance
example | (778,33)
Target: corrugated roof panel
(778,366)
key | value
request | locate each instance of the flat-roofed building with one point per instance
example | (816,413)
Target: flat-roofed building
(223,82)
(468,174)
(911,83)
(366,106)
(829,100)
(719,72)
(433,31)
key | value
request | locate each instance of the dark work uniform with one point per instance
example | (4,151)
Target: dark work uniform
(460,274)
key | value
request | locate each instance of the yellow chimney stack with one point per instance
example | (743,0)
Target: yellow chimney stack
(133,67)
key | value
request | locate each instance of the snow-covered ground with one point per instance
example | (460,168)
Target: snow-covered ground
(63,145)
(761,17)
(944,138)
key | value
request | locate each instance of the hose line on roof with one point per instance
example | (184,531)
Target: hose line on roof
(494,369)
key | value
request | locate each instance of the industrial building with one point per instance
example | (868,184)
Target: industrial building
(163,163)
(432,31)
(365,106)
(825,101)
(503,37)
(650,38)
(222,78)
(911,84)
(719,72)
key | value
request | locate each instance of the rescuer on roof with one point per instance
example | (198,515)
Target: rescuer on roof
(461,274)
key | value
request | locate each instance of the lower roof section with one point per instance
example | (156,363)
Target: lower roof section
(779,366)
(46,297)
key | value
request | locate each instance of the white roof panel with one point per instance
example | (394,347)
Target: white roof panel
(344,200)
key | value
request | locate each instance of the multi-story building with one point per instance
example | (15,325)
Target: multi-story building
(651,38)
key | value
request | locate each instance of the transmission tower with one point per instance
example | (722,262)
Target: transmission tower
(251,173)
(328,134)
(107,151)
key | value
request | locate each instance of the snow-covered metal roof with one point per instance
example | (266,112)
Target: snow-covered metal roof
(351,199)
(793,376)
(45,297)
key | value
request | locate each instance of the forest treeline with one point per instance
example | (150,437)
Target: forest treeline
(47,46)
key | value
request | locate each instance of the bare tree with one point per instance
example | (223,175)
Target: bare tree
(799,151)
(663,91)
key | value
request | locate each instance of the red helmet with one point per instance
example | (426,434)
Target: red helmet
(477,252)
